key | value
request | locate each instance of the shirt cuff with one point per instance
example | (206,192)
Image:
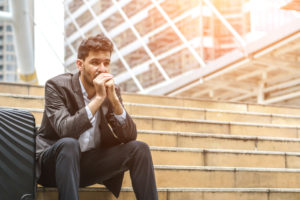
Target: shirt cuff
(122,117)
(89,113)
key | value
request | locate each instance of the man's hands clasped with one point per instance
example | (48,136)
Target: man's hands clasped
(105,87)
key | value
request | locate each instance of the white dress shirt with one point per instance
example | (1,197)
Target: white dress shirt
(86,139)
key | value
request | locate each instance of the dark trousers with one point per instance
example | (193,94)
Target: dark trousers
(65,167)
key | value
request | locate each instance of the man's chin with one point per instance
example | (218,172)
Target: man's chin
(89,82)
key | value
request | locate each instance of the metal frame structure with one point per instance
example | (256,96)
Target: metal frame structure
(117,51)
(206,80)
(130,22)
(254,72)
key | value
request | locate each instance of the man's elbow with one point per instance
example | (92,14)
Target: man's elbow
(65,131)
(133,133)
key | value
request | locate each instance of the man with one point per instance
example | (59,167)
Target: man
(86,136)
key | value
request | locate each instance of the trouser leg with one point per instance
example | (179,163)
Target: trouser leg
(61,168)
(142,173)
(102,164)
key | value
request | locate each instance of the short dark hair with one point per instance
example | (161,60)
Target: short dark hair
(94,43)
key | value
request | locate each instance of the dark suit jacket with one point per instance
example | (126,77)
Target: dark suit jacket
(65,116)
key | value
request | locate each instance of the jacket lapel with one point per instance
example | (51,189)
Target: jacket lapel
(77,90)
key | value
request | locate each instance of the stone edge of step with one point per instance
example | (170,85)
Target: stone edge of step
(154,96)
(212,110)
(22,84)
(214,121)
(21,96)
(223,136)
(216,168)
(40,110)
(171,107)
(185,120)
(150,95)
(201,150)
(178,189)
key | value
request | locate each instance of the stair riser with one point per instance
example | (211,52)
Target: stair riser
(273,110)
(181,195)
(209,115)
(211,143)
(21,102)
(232,196)
(22,89)
(202,115)
(223,159)
(90,195)
(218,143)
(203,127)
(160,100)
(220,128)
(223,179)
(165,112)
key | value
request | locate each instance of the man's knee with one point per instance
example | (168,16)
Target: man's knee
(141,147)
(69,145)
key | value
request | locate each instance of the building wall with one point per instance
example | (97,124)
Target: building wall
(8,65)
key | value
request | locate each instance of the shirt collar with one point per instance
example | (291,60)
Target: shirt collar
(83,89)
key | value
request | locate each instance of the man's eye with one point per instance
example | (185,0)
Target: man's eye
(95,63)
(106,63)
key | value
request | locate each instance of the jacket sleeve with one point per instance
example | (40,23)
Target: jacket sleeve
(126,131)
(64,124)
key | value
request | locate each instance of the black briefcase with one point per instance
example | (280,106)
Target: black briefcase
(17,155)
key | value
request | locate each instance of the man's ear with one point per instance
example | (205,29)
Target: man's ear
(79,64)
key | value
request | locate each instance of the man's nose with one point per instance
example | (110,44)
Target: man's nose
(102,68)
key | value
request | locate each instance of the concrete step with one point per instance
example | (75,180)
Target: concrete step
(218,141)
(23,89)
(223,177)
(197,113)
(224,158)
(218,127)
(183,194)
(206,126)
(21,101)
(177,138)
(208,104)
(210,114)
(209,140)
(215,178)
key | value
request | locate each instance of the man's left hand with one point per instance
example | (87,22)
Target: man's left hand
(112,96)
(110,90)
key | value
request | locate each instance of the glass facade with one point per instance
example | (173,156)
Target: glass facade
(8,65)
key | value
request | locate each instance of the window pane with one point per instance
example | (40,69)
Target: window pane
(9,28)
(9,48)
(10,77)
(10,67)
(9,38)
(10,57)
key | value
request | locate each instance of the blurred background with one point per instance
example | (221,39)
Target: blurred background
(225,50)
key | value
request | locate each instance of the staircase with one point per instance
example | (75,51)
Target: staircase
(202,150)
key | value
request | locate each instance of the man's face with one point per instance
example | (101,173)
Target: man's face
(95,63)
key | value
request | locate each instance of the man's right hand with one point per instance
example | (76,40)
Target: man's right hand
(99,84)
